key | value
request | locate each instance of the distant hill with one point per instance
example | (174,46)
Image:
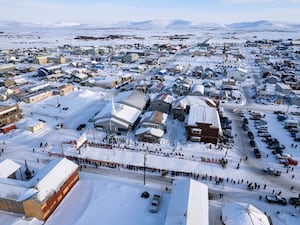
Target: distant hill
(157,24)
(167,24)
(261,24)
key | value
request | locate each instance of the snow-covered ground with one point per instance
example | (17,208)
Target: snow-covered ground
(112,195)
(95,193)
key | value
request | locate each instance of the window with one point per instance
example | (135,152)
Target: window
(197,139)
(196,131)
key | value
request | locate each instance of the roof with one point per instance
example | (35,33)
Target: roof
(198,88)
(15,193)
(8,167)
(235,213)
(154,117)
(188,203)
(53,176)
(204,114)
(133,98)
(122,112)
(193,100)
(6,66)
(150,130)
(164,98)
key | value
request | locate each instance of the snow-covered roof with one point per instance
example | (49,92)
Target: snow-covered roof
(164,97)
(154,117)
(133,98)
(193,100)
(204,114)
(123,112)
(235,213)
(53,176)
(150,130)
(198,88)
(8,167)
(15,193)
(188,203)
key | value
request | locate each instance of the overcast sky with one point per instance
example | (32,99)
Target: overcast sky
(114,11)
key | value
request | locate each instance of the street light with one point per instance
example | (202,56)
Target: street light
(145,169)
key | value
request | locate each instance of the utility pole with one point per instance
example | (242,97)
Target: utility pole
(145,169)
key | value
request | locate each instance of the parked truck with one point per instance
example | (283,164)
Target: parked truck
(155,203)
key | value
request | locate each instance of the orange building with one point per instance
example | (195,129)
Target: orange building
(41,195)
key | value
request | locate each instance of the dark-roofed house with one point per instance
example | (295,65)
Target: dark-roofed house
(162,103)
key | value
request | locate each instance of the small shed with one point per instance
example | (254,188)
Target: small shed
(35,126)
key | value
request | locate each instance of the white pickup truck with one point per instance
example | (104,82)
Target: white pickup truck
(155,203)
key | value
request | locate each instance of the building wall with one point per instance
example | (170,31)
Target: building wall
(35,127)
(208,134)
(33,208)
(11,206)
(10,115)
(63,90)
(148,138)
(38,97)
(41,60)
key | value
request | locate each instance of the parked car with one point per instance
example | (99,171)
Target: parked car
(294,200)
(252,143)
(81,126)
(266,134)
(245,127)
(283,156)
(257,153)
(297,138)
(276,199)
(272,171)
(250,135)
(59,126)
(276,146)
(277,151)
(270,140)
(289,161)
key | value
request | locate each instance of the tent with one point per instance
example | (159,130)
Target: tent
(237,213)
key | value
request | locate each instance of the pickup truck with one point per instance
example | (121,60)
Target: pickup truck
(155,203)
(272,171)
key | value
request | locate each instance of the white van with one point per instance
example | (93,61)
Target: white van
(290,123)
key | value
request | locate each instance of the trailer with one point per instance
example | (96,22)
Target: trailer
(5,129)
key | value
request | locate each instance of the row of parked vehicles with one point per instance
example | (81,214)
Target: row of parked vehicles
(283,201)
(272,143)
(290,124)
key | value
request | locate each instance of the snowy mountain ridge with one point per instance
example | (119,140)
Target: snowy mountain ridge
(155,24)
